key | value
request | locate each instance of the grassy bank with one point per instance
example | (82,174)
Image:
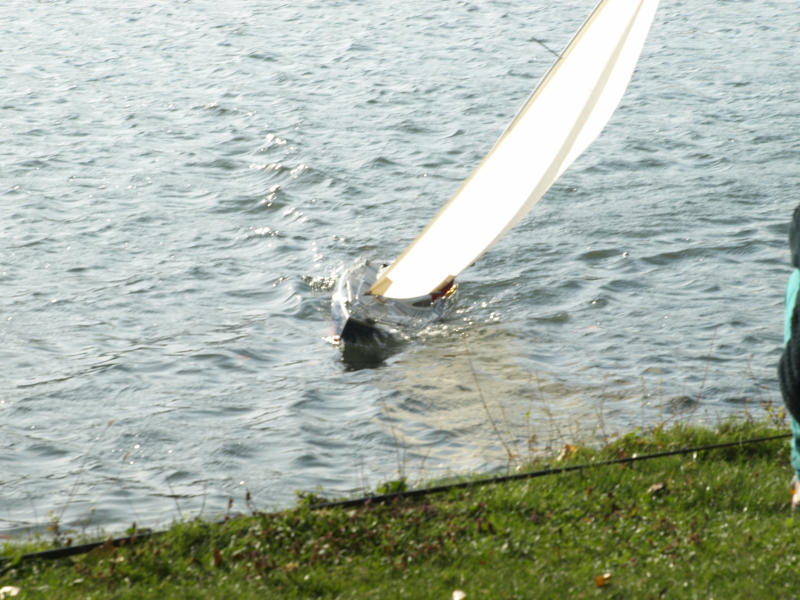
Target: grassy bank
(714,523)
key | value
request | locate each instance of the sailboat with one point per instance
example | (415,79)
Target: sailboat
(563,115)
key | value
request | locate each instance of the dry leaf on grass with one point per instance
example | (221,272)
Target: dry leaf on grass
(602,580)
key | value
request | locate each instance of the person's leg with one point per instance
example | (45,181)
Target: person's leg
(795,446)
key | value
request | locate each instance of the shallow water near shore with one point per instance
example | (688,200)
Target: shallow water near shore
(182,183)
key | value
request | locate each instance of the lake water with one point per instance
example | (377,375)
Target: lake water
(181,182)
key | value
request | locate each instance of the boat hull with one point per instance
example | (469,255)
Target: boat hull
(362,318)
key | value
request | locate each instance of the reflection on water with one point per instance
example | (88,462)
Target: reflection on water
(464,398)
(463,395)
(370,353)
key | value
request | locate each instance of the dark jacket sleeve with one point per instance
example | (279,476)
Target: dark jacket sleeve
(789,368)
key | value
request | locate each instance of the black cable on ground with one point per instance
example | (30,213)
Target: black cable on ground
(385,498)
(67,551)
(407,494)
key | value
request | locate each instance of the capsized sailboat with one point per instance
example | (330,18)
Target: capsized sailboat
(565,113)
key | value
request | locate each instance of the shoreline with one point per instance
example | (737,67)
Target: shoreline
(484,537)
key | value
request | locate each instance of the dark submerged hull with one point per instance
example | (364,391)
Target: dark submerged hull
(362,319)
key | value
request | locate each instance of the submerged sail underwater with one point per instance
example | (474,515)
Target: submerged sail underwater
(564,114)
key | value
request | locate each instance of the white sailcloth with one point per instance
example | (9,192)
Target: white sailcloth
(564,114)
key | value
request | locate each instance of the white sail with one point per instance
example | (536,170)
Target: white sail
(564,114)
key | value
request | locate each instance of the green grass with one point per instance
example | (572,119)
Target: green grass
(716,524)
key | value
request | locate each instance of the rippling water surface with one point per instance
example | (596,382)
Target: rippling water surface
(181,182)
